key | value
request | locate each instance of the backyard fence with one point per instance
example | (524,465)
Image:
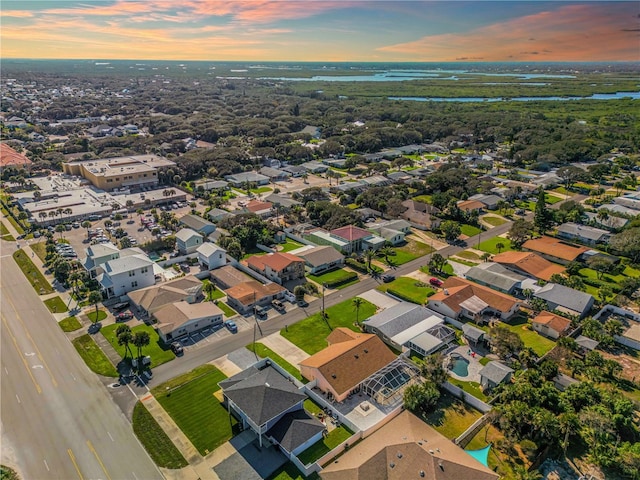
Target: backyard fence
(466,397)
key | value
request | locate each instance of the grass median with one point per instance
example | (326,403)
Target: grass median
(70,324)
(155,441)
(191,402)
(35,276)
(56,305)
(95,358)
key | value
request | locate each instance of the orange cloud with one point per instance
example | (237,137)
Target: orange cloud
(569,33)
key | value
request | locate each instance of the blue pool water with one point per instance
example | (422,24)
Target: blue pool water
(460,366)
(481,455)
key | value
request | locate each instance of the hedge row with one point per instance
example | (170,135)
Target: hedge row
(601,283)
(347,277)
(362,267)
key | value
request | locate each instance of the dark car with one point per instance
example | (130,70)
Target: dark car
(120,306)
(176,347)
(231,326)
(123,316)
(388,278)
(261,312)
(436,282)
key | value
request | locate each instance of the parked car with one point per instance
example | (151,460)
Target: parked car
(231,326)
(177,348)
(120,306)
(278,305)
(123,316)
(436,282)
(261,312)
(388,278)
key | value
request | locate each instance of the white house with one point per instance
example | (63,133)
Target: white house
(211,255)
(188,241)
(181,318)
(98,255)
(126,274)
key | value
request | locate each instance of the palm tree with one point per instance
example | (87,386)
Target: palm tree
(499,246)
(129,204)
(95,297)
(86,224)
(42,216)
(368,255)
(52,214)
(125,338)
(305,176)
(60,228)
(209,288)
(357,303)
(74,279)
(140,340)
(485,256)
(68,212)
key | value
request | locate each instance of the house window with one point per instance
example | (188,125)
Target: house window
(132,273)
(134,284)
(144,270)
(109,180)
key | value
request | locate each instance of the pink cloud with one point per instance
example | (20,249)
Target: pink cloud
(573,32)
(16,13)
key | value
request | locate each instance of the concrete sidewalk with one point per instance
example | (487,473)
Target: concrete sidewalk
(283,347)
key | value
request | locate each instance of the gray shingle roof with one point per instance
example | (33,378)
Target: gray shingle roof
(472,332)
(320,255)
(495,275)
(495,372)
(295,429)
(264,395)
(565,297)
(126,264)
(398,318)
(582,231)
(195,222)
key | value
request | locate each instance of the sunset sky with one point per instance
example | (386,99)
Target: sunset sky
(311,30)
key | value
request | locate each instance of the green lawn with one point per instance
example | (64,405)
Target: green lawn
(463,262)
(190,401)
(216,294)
(41,250)
(423,198)
(56,305)
(484,360)
(469,230)
(406,288)
(411,251)
(551,199)
(490,245)
(95,359)
(101,315)
(312,407)
(495,221)
(539,344)
(155,441)
(310,333)
(226,309)
(472,388)
(339,278)
(263,352)
(253,190)
(290,472)
(35,277)
(452,416)
(157,350)
(324,446)
(4,233)
(289,245)
(69,324)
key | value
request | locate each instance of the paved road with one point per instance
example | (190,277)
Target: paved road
(216,349)
(58,420)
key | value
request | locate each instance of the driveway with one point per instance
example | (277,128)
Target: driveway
(379,299)
(251,462)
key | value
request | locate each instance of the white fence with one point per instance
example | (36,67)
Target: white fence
(466,397)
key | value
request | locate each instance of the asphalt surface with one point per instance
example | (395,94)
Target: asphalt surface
(58,419)
(227,344)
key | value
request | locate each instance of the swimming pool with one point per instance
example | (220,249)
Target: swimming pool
(460,366)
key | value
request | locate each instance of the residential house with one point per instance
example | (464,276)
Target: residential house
(554,249)
(321,259)
(278,267)
(274,174)
(183,289)
(358,238)
(217,214)
(493,374)
(228,276)
(629,200)
(529,264)
(188,241)
(314,167)
(211,256)
(295,170)
(97,255)
(468,206)
(550,325)
(406,326)
(406,448)
(210,185)
(260,208)
(271,162)
(240,180)
(496,276)
(283,202)
(421,215)
(393,231)
(244,296)
(9,157)
(565,299)
(610,222)
(473,335)
(267,400)
(489,201)
(122,275)
(178,319)
(346,363)
(583,233)
(462,298)
(399,177)
(198,224)
(586,344)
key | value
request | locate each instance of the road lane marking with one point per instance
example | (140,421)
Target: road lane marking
(73,376)
(46,465)
(109,433)
(6,371)
(93,450)
(24,360)
(26,330)
(18,398)
(29,354)
(75,464)
(134,475)
(36,366)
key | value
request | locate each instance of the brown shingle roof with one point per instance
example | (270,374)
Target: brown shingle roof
(8,156)
(553,321)
(175,315)
(554,247)
(470,205)
(276,261)
(529,263)
(255,206)
(460,289)
(347,363)
(244,292)
(407,448)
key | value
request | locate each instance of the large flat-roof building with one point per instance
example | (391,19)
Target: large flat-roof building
(119,172)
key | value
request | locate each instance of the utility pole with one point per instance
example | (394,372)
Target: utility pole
(323,314)
(255,315)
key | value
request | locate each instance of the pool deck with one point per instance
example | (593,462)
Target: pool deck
(474,365)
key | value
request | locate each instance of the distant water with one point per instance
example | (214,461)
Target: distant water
(403,76)
(595,96)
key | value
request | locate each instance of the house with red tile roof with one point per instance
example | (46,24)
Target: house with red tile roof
(10,158)
(529,264)
(279,267)
(551,325)
(460,297)
(554,249)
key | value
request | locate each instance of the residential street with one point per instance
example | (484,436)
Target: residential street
(58,420)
